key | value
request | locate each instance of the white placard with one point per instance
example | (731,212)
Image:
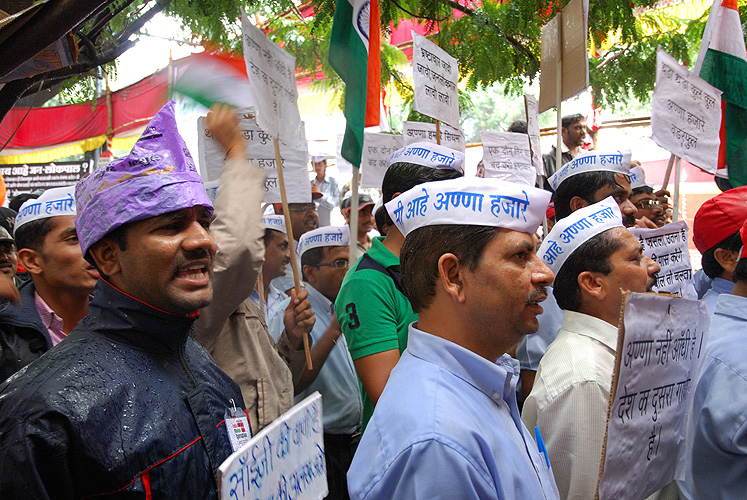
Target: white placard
(668,246)
(658,354)
(376,151)
(343,166)
(435,77)
(506,156)
(272,79)
(533,130)
(259,148)
(285,460)
(685,114)
(420,131)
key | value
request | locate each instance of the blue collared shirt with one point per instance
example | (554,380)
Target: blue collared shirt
(719,286)
(716,438)
(336,382)
(275,300)
(447,426)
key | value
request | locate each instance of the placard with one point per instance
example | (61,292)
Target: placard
(435,77)
(420,131)
(506,156)
(661,342)
(284,460)
(668,247)
(376,151)
(28,177)
(685,114)
(259,148)
(533,130)
(343,166)
(574,56)
(272,80)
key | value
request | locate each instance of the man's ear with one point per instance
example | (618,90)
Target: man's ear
(451,277)
(31,260)
(593,285)
(726,259)
(106,253)
(310,273)
(577,202)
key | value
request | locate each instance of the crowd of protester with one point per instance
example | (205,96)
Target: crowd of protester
(139,316)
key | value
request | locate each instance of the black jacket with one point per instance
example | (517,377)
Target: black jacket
(127,404)
(23,337)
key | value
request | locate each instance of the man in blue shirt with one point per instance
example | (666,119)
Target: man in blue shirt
(716,439)
(324,261)
(716,236)
(447,424)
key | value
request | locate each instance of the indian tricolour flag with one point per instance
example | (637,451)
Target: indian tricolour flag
(722,62)
(349,55)
(209,78)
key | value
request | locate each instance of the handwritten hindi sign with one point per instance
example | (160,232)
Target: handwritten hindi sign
(285,460)
(668,246)
(420,131)
(685,114)
(376,151)
(272,79)
(574,54)
(259,148)
(435,77)
(533,130)
(506,156)
(660,344)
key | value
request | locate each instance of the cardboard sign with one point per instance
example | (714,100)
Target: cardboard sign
(668,246)
(435,77)
(660,345)
(376,151)
(685,114)
(506,156)
(574,55)
(28,177)
(285,460)
(272,79)
(533,130)
(420,131)
(259,148)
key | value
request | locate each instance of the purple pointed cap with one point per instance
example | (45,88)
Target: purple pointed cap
(157,177)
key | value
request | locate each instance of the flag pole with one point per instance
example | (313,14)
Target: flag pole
(354,188)
(676,211)
(291,242)
(559,91)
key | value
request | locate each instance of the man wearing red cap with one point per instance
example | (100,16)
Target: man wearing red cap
(716,236)
(716,437)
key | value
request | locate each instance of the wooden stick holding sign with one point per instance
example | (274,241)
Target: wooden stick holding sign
(438,132)
(261,292)
(291,242)
(559,91)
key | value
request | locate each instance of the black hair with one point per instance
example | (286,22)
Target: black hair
(424,246)
(380,219)
(31,235)
(311,257)
(583,185)
(710,265)
(594,255)
(403,176)
(569,120)
(18,200)
(740,272)
(642,190)
(519,126)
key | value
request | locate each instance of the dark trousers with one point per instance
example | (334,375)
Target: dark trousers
(338,453)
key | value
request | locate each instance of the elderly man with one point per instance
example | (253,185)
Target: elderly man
(373,312)
(571,392)
(716,438)
(447,424)
(129,404)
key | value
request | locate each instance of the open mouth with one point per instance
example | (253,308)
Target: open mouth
(195,274)
(93,272)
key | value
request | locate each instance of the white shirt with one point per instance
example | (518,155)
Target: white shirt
(569,401)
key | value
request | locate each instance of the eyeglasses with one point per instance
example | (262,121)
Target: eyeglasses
(338,264)
(302,208)
(7,247)
(646,204)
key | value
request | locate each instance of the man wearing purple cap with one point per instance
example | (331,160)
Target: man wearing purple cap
(129,404)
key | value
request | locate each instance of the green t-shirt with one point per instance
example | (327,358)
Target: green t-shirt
(373,313)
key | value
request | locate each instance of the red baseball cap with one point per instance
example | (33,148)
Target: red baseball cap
(743,234)
(720,217)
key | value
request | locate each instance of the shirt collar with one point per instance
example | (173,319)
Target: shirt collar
(381,254)
(51,320)
(731,305)
(496,380)
(721,285)
(318,301)
(592,327)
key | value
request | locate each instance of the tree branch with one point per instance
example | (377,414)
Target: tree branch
(412,14)
(104,18)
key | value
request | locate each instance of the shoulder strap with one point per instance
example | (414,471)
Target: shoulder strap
(367,262)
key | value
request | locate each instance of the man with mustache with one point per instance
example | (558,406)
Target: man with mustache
(447,424)
(57,297)
(594,259)
(277,258)
(129,404)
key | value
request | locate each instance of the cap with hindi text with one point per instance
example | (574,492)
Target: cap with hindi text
(327,236)
(470,201)
(638,179)
(429,155)
(592,161)
(570,233)
(275,222)
(52,203)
